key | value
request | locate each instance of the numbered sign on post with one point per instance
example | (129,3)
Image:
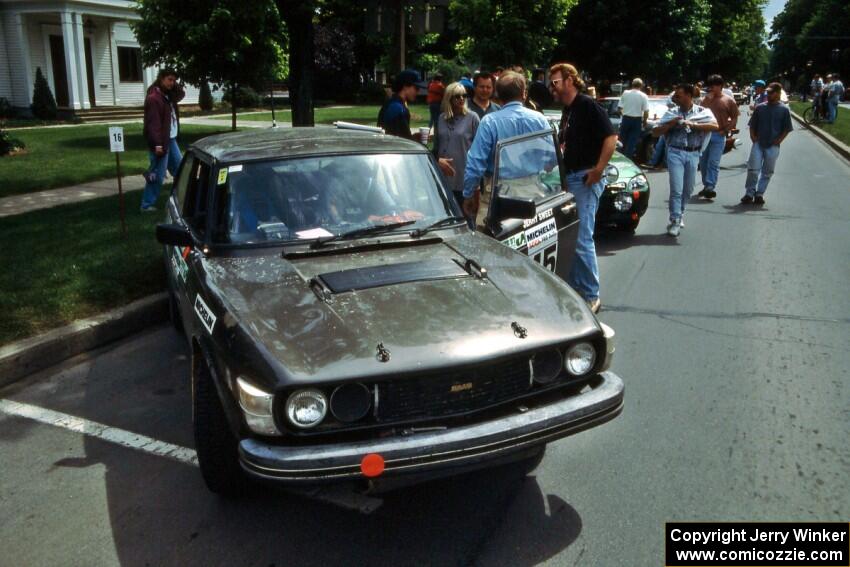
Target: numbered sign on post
(116,139)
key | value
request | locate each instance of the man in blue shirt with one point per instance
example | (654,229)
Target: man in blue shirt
(394,116)
(512,120)
(769,125)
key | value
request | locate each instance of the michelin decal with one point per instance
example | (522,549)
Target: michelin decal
(205,314)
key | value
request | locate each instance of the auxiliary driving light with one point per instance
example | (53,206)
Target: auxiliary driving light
(306,408)
(623,201)
(580,359)
(546,365)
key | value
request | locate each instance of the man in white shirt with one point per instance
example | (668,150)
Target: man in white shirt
(634,106)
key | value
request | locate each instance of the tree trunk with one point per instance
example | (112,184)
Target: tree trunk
(233,88)
(299,22)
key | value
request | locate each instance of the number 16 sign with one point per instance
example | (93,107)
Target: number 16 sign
(116,139)
(116,146)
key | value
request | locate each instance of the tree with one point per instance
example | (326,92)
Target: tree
(507,32)
(735,43)
(298,15)
(43,104)
(226,42)
(661,40)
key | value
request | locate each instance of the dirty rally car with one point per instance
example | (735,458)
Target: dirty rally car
(346,325)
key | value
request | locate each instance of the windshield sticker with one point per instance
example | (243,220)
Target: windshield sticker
(222,176)
(181,268)
(540,235)
(234,168)
(516,241)
(313,233)
(205,314)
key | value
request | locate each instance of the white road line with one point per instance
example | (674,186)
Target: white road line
(100,431)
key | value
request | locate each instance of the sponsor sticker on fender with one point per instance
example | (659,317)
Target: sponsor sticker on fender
(181,268)
(515,241)
(205,314)
(540,235)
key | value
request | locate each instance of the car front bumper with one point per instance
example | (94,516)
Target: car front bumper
(438,453)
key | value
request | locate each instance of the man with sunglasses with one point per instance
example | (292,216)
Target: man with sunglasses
(588,141)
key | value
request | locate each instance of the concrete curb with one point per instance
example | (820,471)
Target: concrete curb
(27,356)
(830,140)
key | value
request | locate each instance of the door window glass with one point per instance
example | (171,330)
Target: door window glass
(194,204)
(528,168)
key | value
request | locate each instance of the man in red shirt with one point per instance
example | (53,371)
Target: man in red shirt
(436,88)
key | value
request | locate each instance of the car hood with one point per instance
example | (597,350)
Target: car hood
(424,323)
(625,166)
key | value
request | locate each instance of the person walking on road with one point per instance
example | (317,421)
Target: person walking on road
(394,116)
(726,113)
(588,141)
(769,125)
(835,92)
(481,103)
(435,98)
(453,134)
(634,105)
(161,126)
(760,96)
(686,130)
(512,120)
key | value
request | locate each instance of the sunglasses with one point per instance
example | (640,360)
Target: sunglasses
(459,97)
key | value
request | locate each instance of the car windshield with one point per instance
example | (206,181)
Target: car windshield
(317,197)
(613,106)
(528,168)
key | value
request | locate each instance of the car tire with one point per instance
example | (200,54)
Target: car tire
(629,227)
(174,313)
(215,444)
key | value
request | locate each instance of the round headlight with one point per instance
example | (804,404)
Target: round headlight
(306,408)
(546,365)
(638,183)
(580,359)
(611,173)
(623,201)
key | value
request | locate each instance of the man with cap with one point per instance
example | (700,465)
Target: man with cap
(760,95)
(394,116)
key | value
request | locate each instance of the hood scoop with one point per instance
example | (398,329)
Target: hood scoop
(392,274)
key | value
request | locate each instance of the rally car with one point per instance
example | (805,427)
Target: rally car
(346,324)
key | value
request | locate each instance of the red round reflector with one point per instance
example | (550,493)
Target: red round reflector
(634,216)
(372,465)
(636,195)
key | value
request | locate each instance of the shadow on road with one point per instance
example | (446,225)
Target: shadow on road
(160,513)
(610,241)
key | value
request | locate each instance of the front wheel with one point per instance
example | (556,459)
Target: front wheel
(217,447)
(810,116)
(629,227)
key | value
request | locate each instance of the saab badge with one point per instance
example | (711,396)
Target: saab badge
(460,387)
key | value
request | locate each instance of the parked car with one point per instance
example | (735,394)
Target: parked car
(658,105)
(346,325)
(626,195)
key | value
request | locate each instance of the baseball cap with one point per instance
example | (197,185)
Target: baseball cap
(407,77)
(759,83)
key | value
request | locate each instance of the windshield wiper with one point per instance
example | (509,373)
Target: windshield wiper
(442,222)
(357,233)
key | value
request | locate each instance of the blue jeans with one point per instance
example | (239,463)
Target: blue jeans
(630,128)
(682,170)
(832,109)
(584,274)
(709,163)
(762,161)
(658,152)
(158,164)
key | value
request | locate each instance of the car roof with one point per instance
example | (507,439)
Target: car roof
(270,143)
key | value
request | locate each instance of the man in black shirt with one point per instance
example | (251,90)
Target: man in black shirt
(587,141)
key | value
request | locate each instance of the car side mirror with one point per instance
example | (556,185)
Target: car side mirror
(511,208)
(173,235)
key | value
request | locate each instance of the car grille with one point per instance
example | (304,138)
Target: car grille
(452,392)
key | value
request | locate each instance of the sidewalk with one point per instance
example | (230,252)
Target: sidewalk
(19,204)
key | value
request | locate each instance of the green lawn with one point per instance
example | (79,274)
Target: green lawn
(840,129)
(58,157)
(69,262)
(361,114)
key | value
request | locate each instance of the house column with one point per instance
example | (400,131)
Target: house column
(26,81)
(71,60)
(80,53)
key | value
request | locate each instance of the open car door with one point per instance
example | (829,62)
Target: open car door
(530,209)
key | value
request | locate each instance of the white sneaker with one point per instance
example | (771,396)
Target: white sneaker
(673,228)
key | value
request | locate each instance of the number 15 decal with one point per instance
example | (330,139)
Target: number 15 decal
(548,257)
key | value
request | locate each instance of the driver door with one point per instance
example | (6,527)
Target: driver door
(528,169)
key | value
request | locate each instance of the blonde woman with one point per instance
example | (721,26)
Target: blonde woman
(453,134)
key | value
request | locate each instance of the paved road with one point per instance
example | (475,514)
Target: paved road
(732,341)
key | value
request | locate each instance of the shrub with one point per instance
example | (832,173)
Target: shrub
(6,110)
(8,143)
(205,99)
(43,104)
(246,97)
(371,92)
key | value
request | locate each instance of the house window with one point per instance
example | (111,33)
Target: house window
(130,64)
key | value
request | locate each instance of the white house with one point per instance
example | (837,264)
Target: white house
(85,49)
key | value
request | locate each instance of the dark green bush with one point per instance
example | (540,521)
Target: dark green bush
(205,99)
(43,104)
(246,97)
(371,92)
(6,110)
(8,143)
